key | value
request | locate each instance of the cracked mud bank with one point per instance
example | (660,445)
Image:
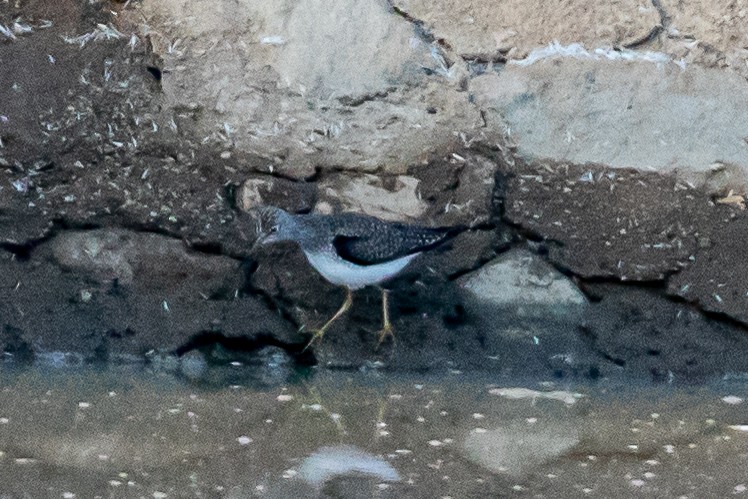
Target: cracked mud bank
(602,173)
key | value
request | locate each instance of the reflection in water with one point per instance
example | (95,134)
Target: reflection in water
(128,431)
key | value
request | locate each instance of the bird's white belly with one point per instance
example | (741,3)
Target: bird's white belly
(343,273)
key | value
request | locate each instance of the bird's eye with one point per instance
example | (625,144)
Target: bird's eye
(274,228)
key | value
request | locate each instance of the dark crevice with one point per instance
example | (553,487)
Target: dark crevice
(207,247)
(424,33)
(21,252)
(208,339)
(590,338)
(352,101)
(719,317)
(664,17)
(498,58)
(658,285)
(155,72)
(276,306)
(653,34)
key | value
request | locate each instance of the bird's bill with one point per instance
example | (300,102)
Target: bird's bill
(262,240)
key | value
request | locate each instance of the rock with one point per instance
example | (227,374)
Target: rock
(193,365)
(518,450)
(592,222)
(483,30)
(389,198)
(714,279)
(295,197)
(145,261)
(570,109)
(643,332)
(304,85)
(521,281)
(708,33)
(117,294)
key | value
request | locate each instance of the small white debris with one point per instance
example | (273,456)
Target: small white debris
(272,40)
(84,405)
(284,398)
(477,415)
(739,427)
(21,185)
(69,198)
(68,495)
(328,462)
(568,398)
(289,473)
(159,495)
(435,443)
(732,400)
(21,29)
(739,489)
(587,177)
(6,32)
(244,440)
(115,483)
(225,154)
(4,420)
(102,32)
(637,482)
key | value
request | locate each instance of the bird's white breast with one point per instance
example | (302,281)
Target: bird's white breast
(343,273)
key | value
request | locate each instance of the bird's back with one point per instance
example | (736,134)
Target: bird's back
(365,240)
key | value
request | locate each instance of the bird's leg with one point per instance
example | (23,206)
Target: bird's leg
(387,329)
(343,309)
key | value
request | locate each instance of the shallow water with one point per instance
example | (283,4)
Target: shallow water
(130,431)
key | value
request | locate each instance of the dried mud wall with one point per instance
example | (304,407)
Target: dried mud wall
(598,153)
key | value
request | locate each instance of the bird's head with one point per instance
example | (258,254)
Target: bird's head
(272,225)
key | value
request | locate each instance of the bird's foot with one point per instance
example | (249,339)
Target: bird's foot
(386,332)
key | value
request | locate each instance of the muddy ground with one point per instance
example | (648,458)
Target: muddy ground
(121,236)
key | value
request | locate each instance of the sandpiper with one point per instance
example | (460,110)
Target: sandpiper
(350,250)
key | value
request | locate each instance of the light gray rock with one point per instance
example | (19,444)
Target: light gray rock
(521,281)
(518,450)
(266,189)
(647,113)
(395,199)
(305,85)
(483,29)
(147,261)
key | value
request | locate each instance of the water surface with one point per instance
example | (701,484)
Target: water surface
(132,431)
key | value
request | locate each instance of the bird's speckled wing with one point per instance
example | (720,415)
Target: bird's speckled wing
(367,241)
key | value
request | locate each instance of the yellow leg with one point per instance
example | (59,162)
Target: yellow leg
(387,330)
(343,309)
